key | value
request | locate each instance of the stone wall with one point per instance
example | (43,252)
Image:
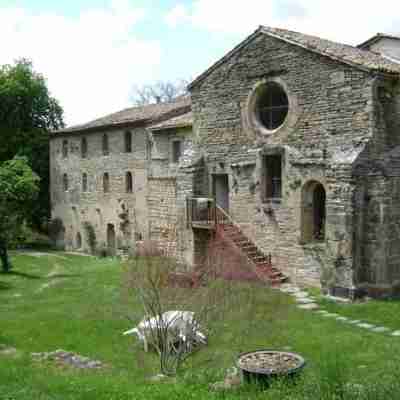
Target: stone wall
(162,211)
(75,206)
(330,122)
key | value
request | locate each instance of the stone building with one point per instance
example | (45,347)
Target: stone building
(287,151)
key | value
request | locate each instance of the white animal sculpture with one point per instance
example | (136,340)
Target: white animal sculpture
(181,326)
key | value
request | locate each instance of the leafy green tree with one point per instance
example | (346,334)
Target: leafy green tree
(19,187)
(27,115)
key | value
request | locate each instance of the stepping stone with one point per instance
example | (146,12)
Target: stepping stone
(366,326)
(301,294)
(310,306)
(304,300)
(329,315)
(395,333)
(343,319)
(355,321)
(380,329)
(8,351)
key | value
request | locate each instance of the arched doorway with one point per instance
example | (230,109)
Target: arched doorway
(111,239)
(78,240)
(313,212)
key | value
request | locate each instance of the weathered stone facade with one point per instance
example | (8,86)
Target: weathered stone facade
(336,220)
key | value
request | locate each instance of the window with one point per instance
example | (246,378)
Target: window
(176,150)
(105,145)
(84,182)
(272,177)
(272,105)
(65,148)
(65,182)
(128,182)
(106,182)
(84,148)
(128,142)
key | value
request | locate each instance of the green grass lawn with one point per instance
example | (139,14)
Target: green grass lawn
(79,304)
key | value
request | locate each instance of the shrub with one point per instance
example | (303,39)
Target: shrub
(56,227)
(90,235)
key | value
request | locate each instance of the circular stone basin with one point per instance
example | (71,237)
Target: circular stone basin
(264,365)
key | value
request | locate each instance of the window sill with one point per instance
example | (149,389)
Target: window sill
(272,201)
(312,245)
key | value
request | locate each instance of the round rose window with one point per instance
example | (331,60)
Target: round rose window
(272,105)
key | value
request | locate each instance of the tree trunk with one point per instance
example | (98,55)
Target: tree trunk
(5,261)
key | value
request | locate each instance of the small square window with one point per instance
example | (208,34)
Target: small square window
(272,173)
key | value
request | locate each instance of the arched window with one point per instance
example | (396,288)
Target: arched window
(105,145)
(313,212)
(128,142)
(84,147)
(65,148)
(128,182)
(65,182)
(106,182)
(84,182)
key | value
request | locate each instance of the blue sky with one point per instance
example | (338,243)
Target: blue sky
(93,51)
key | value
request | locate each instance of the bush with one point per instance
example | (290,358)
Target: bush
(90,235)
(56,227)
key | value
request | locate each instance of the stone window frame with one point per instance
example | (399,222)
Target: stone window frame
(128,141)
(172,144)
(272,152)
(105,145)
(84,147)
(64,148)
(65,182)
(84,182)
(251,117)
(106,182)
(128,182)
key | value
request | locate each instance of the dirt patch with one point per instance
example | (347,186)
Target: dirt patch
(64,358)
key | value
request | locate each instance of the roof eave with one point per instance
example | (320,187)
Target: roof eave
(104,127)
(261,30)
(222,60)
(164,128)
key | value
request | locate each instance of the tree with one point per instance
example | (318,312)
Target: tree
(18,189)
(159,92)
(27,115)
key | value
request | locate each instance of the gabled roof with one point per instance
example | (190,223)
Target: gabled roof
(135,116)
(350,55)
(181,121)
(375,39)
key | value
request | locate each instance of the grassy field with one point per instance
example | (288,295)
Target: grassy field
(79,304)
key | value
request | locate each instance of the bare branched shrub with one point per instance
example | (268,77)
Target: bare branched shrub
(151,279)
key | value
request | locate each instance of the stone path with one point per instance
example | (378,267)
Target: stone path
(306,302)
(67,358)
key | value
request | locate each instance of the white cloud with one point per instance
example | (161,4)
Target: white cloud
(90,61)
(350,21)
(178,14)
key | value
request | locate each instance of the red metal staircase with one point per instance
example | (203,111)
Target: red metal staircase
(231,232)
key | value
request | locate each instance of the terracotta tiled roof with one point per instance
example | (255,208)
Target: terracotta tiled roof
(143,115)
(177,122)
(356,57)
(352,55)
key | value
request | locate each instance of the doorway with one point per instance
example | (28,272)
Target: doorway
(221,190)
(111,239)
(313,212)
